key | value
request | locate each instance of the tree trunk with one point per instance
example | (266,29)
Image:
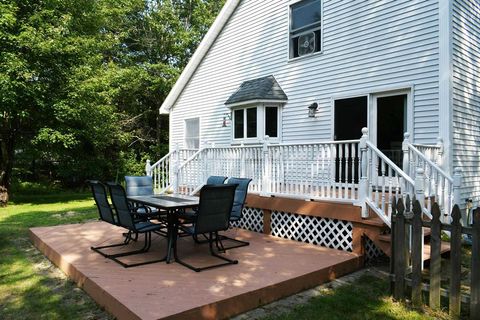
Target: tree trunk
(7,150)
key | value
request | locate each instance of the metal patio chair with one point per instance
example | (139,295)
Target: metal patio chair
(237,210)
(125,216)
(142,186)
(213,215)
(99,192)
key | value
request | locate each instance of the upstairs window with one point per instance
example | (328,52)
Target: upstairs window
(305,28)
(192,133)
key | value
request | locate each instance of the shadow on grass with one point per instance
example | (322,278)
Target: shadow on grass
(29,288)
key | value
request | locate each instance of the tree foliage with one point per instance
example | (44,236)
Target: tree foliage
(81,81)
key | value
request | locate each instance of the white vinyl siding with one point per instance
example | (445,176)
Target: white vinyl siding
(367,45)
(466,95)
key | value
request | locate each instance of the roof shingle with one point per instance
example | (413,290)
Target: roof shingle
(266,88)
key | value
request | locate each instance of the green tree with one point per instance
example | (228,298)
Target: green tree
(81,81)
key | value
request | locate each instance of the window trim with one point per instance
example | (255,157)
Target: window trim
(305,29)
(261,125)
(185,131)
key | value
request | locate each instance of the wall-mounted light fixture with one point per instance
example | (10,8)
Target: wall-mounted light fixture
(312,109)
(226,116)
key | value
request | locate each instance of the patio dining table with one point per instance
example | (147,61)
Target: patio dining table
(172,204)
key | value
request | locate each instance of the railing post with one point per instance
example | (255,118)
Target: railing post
(406,154)
(420,187)
(148,168)
(363,183)
(266,168)
(204,159)
(457,184)
(441,150)
(176,167)
(242,161)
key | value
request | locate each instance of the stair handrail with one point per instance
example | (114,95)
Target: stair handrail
(160,172)
(436,150)
(178,167)
(381,181)
(438,185)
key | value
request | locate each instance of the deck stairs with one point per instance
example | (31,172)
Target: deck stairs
(351,172)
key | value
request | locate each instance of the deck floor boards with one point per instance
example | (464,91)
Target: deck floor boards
(269,269)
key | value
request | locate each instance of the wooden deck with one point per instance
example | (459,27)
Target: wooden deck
(269,269)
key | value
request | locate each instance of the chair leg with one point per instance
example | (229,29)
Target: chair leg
(198,241)
(127,240)
(146,247)
(240,244)
(212,252)
(219,243)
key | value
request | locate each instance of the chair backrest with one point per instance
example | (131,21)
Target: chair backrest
(120,203)
(240,196)
(138,185)
(216,180)
(214,208)
(99,192)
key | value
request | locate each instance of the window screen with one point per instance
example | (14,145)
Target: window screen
(305,28)
(192,133)
(306,13)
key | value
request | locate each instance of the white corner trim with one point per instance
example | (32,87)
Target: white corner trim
(445,78)
(199,54)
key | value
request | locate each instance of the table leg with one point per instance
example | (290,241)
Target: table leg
(170,233)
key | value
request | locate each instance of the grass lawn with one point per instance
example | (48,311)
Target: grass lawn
(366,298)
(31,288)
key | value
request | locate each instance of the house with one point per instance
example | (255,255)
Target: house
(281,91)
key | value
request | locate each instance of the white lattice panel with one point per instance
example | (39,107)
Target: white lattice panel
(371,250)
(252,220)
(331,233)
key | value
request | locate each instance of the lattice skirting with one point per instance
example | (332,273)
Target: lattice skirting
(331,233)
(252,220)
(371,250)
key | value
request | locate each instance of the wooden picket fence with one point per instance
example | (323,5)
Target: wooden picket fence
(407,260)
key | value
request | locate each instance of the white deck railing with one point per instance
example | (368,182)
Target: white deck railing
(353,171)
(433,184)
(314,171)
(163,170)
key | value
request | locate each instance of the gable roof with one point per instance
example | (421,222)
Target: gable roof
(199,54)
(266,88)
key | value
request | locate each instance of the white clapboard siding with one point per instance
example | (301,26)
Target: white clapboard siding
(367,45)
(466,94)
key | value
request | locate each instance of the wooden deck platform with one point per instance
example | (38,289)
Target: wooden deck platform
(269,269)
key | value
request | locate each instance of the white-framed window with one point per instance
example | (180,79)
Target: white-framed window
(192,133)
(305,28)
(251,124)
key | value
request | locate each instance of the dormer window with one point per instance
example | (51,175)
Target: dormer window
(305,28)
(256,109)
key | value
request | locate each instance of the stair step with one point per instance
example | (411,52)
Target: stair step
(444,247)
(388,237)
(374,221)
